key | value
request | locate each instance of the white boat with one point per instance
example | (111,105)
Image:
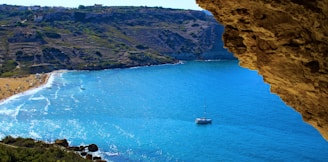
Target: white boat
(203,120)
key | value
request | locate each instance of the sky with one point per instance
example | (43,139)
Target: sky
(181,4)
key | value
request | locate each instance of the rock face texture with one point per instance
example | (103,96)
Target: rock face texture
(286,41)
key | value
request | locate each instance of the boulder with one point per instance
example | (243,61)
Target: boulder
(96,158)
(83,153)
(93,148)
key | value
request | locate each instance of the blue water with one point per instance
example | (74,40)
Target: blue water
(148,113)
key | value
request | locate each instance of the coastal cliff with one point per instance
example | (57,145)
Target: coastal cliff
(287,43)
(36,39)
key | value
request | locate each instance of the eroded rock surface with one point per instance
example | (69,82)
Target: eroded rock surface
(286,41)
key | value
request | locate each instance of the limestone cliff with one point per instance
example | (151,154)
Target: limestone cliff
(286,41)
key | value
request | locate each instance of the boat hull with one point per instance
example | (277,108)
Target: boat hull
(203,121)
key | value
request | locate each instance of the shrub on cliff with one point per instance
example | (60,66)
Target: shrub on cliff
(7,67)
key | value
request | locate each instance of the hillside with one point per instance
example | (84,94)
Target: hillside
(41,39)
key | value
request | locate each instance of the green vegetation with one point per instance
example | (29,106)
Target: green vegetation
(9,65)
(6,70)
(27,149)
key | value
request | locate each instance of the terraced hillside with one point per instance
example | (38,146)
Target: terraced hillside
(41,39)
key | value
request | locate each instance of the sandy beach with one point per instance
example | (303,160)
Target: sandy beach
(12,86)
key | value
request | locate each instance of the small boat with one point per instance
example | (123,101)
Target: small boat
(203,120)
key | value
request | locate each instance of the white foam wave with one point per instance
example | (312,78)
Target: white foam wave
(48,103)
(58,74)
(136,67)
(11,98)
(97,153)
(68,109)
(11,112)
(111,153)
(7,112)
(32,98)
(56,93)
(105,154)
(50,80)
(46,108)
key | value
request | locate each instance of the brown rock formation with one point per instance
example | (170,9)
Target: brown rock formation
(62,142)
(286,41)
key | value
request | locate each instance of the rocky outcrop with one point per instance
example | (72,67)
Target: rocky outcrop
(27,149)
(286,41)
(62,142)
(87,154)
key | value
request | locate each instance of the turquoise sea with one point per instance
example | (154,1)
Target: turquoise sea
(148,113)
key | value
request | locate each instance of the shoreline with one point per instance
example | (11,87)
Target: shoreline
(13,86)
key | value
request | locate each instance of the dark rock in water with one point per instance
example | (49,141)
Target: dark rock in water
(96,158)
(61,142)
(93,148)
(83,153)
